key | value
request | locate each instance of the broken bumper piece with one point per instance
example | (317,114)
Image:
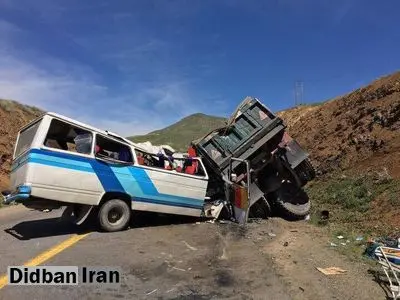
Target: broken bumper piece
(22,193)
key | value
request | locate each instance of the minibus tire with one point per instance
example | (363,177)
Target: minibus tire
(115,210)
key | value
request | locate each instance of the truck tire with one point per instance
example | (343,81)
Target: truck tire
(260,210)
(114,215)
(305,171)
(292,200)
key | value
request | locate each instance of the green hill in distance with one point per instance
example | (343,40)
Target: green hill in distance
(180,134)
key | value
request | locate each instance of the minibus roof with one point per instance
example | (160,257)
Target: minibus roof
(89,127)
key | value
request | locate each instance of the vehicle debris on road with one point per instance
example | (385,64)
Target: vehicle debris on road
(190,247)
(332,271)
(179,269)
(170,290)
(373,244)
(152,292)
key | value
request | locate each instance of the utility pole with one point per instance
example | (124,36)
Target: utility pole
(298,93)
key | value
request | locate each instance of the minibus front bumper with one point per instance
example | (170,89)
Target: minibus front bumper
(22,193)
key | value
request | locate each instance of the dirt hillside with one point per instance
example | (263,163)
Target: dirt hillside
(359,131)
(12,117)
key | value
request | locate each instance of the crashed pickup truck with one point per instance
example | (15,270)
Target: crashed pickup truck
(60,162)
(255,156)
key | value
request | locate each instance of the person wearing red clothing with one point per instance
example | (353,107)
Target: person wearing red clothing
(192,169)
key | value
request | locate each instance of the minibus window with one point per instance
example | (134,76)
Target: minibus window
(108,148)
(67,137)
(25,138)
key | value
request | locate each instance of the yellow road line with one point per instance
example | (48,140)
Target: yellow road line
(46,255)
(3,281)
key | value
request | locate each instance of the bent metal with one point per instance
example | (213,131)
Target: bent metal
(62,275)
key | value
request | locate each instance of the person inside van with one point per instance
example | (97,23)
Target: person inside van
(161,160)
(140,158)
(170,163)
(99,151)
(124,155)
(63,145)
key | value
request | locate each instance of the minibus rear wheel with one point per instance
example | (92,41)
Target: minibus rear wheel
(114,215)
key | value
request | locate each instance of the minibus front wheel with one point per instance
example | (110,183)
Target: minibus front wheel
(114,215)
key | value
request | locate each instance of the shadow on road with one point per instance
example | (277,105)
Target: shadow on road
(43,228)
(34,229)
(148,219)
(55,226)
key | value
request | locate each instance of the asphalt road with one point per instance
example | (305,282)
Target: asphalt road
(160,258)
(170,257)
(26,233)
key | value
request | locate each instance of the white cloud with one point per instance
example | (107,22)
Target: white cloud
(25,81)
(71,89)
(148,94)
(77,96)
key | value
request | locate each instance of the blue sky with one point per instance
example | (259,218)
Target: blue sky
(136,66)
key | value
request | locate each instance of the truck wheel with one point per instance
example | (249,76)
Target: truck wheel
(305,171)
(292,200)
(114,215)
(259,210)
